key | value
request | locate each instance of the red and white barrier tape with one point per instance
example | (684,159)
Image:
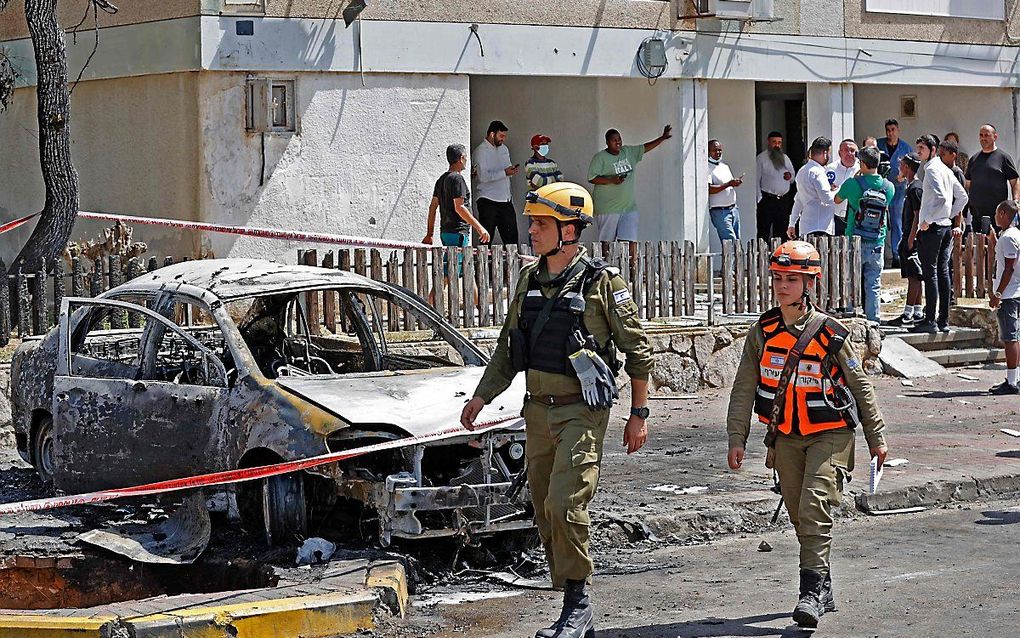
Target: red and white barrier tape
(11,225)
(238,476)
(247,231)
(255,231)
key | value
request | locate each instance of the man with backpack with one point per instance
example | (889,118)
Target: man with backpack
(868,197)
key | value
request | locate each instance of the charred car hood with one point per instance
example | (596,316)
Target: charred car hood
(417,401)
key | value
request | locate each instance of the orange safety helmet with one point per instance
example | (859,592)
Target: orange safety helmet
(797,257)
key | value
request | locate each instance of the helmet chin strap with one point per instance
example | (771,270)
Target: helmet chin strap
(560,242)
(805,297)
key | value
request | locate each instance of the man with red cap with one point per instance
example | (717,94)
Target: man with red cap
(540,170)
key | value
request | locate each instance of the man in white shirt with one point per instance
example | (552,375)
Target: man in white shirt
(492,169)
(775,174)
(722,194)
(840,170)
(814,206)
(943,199)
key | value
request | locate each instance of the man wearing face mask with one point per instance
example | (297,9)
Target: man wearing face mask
(541,170)
(815,206)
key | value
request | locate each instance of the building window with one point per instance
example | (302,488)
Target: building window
(243,6)
(976,9)
(269,106)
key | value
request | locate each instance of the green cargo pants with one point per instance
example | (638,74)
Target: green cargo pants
(564,450)
(811,473)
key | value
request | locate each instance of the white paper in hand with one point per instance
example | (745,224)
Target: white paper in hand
(876,475)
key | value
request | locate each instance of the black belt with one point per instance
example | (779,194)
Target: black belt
(763,194)
(552,400)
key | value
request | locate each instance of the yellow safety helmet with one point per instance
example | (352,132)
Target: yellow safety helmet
(565,201)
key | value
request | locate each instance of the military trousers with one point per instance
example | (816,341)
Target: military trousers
(564,451)
(811,472)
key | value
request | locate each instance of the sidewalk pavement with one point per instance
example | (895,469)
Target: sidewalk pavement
(679,487)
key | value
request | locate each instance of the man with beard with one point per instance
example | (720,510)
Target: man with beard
(493,170)
(775,174)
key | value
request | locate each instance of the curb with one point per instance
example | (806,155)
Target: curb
(753,513)
(336,609)
(30,625)
(935,493)
(307,616)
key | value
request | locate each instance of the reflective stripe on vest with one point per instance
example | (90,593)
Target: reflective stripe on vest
(805,404)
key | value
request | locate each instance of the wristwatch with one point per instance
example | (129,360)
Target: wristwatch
(641,413)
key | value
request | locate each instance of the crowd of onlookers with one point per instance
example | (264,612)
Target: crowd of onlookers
(610,179)
(909,199)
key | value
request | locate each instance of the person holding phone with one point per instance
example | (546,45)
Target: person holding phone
(493,170)
(611,171)
(722,194)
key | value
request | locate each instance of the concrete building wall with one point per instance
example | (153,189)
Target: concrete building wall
(939,110)
(731,121)
(605,13)
(134,144)
(69,13)
(364,163)
(864,24)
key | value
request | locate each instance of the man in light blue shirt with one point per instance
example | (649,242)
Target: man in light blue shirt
(895,148)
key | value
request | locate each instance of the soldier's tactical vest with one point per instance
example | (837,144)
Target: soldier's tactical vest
(805,410)
(550,339)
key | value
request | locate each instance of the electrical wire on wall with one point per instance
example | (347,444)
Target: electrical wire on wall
(651,58)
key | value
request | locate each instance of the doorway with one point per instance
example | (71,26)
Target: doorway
(782,106)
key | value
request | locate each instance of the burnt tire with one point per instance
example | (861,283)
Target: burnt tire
(42,450)
(275,508)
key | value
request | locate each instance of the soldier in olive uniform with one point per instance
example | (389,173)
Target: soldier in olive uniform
(568,316)
(826,395)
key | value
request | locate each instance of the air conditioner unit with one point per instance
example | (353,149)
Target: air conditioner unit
(735,9)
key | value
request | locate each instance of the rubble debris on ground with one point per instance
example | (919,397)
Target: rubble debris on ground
(179,539)
(314,550)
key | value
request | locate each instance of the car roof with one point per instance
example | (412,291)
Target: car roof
(228,279)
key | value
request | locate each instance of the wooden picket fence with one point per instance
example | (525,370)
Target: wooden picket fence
(30,302)
(747,285)
(973,265)
(662,277)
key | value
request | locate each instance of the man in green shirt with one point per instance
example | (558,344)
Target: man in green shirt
(612,172)
(871,224)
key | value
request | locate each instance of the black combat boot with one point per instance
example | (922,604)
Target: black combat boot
(828,602)
(577,620)
(810,607)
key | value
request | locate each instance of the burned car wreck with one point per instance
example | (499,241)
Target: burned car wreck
(220,364)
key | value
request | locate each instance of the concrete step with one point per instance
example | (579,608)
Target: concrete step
(956,338)
(966,356)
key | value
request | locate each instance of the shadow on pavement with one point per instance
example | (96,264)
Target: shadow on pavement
(1007,517)
(939,394)
(1008,454)
(709,627)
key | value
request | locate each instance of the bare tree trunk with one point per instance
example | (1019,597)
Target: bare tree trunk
(57,219)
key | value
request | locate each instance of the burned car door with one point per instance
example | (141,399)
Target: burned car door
(136,396)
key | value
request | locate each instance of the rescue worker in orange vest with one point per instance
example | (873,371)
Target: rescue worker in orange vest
(812,434)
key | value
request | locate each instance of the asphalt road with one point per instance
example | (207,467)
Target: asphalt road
(946,572)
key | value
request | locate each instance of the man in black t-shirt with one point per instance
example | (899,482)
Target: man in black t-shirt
(452,199)
(991,178)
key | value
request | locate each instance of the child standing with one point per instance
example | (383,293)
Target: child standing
(1005,295)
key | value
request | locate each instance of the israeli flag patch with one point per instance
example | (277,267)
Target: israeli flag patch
(621,296)
(852,363)
(777,360)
